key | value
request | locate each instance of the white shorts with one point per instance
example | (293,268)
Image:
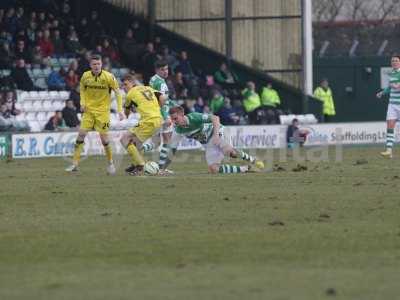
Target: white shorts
(393,112)
(215,153)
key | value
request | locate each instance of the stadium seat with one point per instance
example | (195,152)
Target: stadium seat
(33,95)
(30,116)
(43,95)
(46,72)
(27,106)
(37,73)
(47,105)
(64,95)
(54,62)
(35,126)
(41,83)
(37,105)
(63,61)
(20,117)
(53,95)
(49,114)
(41,116)
(23,96)
(123,71)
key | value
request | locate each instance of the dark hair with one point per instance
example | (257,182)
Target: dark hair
(58,111)
(95,57)
(295,120)
(129,77)
(160,63)
(176,109)
(396,56)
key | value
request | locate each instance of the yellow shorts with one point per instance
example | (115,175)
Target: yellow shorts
(96,121)
(146,128)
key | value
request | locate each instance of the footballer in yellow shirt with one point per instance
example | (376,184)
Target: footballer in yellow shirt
(95,92)
(147,103)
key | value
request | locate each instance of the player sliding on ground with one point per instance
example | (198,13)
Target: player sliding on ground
(207,129)
(393,110)
(95,91)
(145,100)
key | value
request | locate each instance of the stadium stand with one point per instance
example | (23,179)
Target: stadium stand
(55,45)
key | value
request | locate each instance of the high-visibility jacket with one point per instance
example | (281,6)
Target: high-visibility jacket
(327,99)
(251,100)
(270,97)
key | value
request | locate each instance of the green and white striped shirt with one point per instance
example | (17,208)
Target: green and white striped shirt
(394,93)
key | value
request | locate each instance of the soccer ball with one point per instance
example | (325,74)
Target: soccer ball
(151,168)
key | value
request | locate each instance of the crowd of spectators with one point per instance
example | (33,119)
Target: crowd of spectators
(31,39)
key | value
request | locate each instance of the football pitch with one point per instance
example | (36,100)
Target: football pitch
(306,230)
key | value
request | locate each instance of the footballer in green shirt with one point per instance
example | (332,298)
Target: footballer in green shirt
(206,129)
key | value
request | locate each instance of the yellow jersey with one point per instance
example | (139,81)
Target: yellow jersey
(95,92)
(145,101)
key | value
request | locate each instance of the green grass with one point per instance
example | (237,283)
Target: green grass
(275,235)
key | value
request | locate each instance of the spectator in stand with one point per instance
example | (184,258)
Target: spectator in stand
(84,32)
(181,91)
(217,102)
(56,122)
(94,23)
(140,33)
(21,77)
(70,115)
(169,58)
(158,46)
(31,31)
(225,77)
(324,93)
(84,63)
(107,65)
(46,44)
(5,118)
(130,48)
(10,21)
(99,50)
(270,102)
(72,44)
(22,51)
(21,36)
(227,114)
(75,97)
(41,19)
(185,66)
(199,106)
(6,56)
(71,80)
(37,57)
(55,81)
(270,97)
(6,37)
(74,65)
(251,102)
(295,135)
(10,103)
(149,59)
(110,51)
(58,43)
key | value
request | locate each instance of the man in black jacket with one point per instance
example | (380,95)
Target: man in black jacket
(21,76)
(69,114)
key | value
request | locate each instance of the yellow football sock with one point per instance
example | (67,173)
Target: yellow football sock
(108,150)
(77,152)
(137,159)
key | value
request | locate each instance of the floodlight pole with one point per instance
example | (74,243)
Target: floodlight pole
(307,51)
